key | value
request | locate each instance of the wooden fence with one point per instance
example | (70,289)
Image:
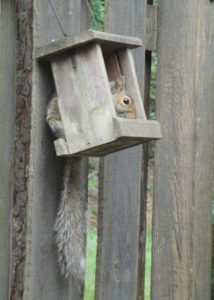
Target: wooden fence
(183,34)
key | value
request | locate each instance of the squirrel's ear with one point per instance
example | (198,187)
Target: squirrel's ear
(120,83)
(112,86)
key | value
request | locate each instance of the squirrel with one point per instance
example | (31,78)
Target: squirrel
(69,228)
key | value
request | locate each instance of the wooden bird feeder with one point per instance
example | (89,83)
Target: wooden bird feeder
(82,67)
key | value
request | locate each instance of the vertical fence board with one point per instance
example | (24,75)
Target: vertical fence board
(145,157)
(184,158)
(52,20)
(120,182)
(143,211)
(7,69)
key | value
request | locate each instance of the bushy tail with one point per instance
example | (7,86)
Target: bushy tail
(70,225)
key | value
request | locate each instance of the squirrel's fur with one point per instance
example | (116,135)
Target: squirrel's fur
(69,225)
(70,228)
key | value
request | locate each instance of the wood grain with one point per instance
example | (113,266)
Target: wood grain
(109,42)
(112,66)
(120,176)
(7,69)
(21,156)
(137,129)
(42,280)
(151,28)
(85,99)
(144,183)
(184,157)
(132,87)
(127,133)
(86,105)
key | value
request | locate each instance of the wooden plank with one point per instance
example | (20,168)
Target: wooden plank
(86,104)
(120,176)
(112,66)
(42,280)
(117,232)
(111,147)
(137,129)
(7,69)
(62,20)
(144,184)
(109,42)
(61,147)
(184,157)
(132,87)
(127,134)
(151,28)
(119,144)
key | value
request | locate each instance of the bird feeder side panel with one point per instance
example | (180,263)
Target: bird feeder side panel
(112,66)
(127,66)
(121,63)
(85,99)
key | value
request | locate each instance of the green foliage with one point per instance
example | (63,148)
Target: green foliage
(90,264)
(150,186)
(212,275)
(213,211)
(153,85)
(148,265)
(98,8)
(93,180)
(153,75)
(93,174)
(152,115)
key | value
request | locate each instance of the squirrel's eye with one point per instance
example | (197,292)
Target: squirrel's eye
(126,101)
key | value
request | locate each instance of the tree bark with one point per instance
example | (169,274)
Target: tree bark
(22,143)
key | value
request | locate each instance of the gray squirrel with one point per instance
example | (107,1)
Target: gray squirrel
(69,228)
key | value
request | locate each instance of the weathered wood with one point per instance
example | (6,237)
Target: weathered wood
(85,99)
(61,20)
(61,147)
(132,88)
(86,104)
(21,156)
(109,42)
(212,273)
(112,66)
(7,69)
(137,129)
(145,160)
(151,28)
(127,133)
(120,176)
(117,230)
(184,157)
(42,280)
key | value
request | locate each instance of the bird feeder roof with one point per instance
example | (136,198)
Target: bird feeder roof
(108,41)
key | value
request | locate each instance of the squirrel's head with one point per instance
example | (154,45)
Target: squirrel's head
(123,103)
